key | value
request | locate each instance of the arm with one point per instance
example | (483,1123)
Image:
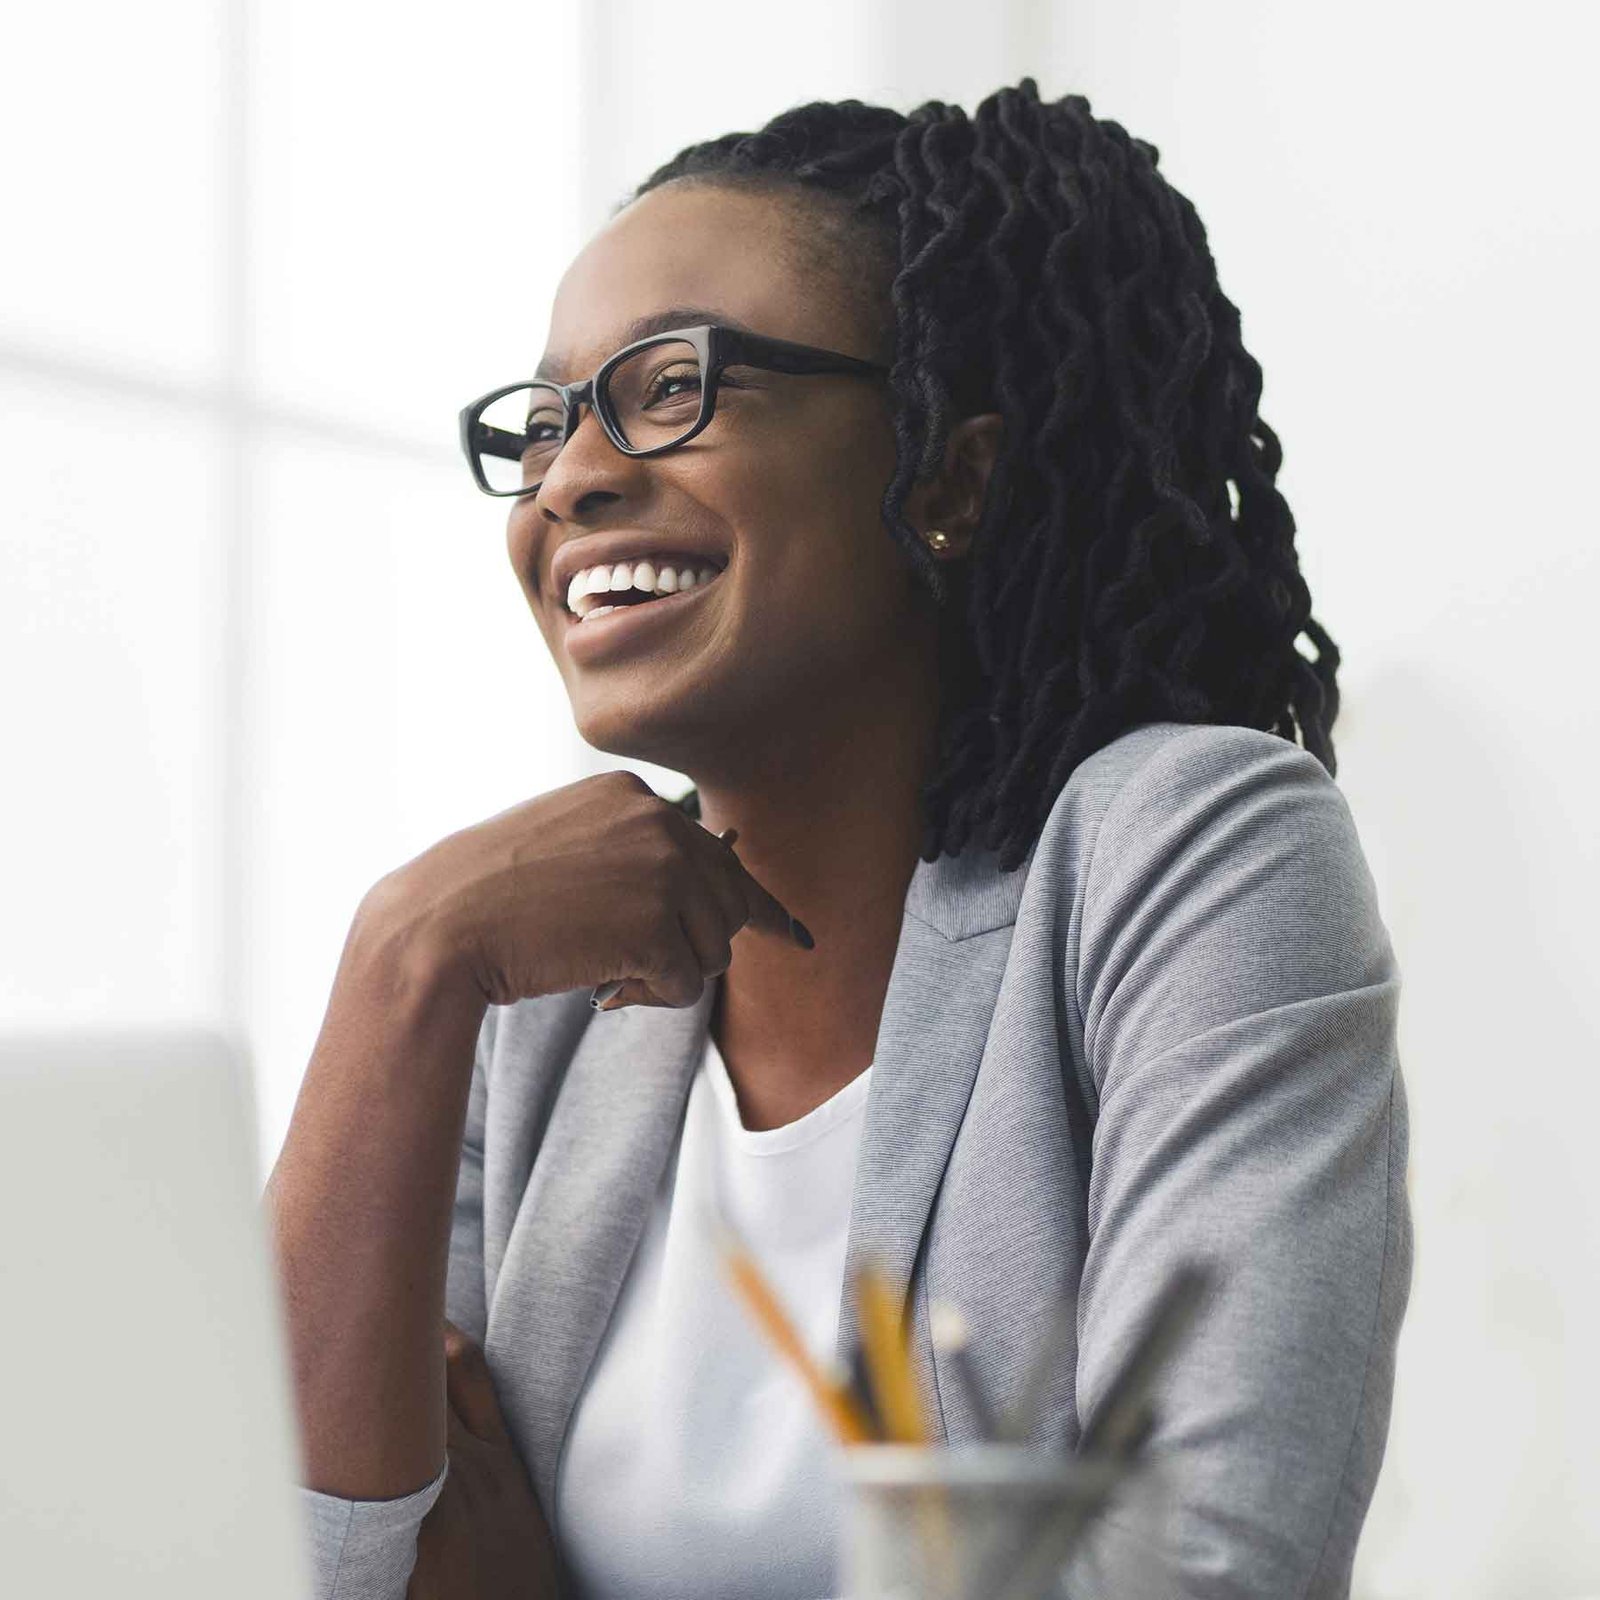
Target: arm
(411,1546)
(1239,996)
(378,1185)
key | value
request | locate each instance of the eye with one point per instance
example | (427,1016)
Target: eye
(661,385)
(544,425)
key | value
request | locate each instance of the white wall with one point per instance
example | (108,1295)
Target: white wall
(1400,199)
(260,642)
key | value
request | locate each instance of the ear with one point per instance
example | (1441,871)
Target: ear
(952,499)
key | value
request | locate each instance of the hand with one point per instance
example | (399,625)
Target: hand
(486,1537)
(598,880)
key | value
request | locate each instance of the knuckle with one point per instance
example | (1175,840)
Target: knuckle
(663,850)
(666,829)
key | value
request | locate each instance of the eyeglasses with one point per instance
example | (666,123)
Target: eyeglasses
(650,396)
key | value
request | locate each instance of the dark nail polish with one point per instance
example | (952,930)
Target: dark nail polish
(801,932)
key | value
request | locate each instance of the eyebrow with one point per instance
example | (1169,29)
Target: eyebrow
(643,327)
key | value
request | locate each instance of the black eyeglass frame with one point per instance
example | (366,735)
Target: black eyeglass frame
(716,346)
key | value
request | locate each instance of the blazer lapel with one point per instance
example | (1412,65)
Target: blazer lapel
(954,939)
(616,1119)
(611,1130)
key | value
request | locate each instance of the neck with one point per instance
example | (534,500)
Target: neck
(835,834)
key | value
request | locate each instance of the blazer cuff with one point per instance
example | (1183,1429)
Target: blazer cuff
(366,1549)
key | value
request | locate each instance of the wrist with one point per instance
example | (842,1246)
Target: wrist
(396,942)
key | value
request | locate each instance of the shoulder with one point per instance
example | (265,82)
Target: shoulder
(1153,783)
(1208,799)
(1120,806)
(1225,877)
(1147,771)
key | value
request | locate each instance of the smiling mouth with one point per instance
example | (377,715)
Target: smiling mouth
(632,600)
(594,628)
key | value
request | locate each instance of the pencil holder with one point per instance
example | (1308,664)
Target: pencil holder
(995,1522)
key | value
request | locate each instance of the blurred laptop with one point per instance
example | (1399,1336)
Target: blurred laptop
(147,1445)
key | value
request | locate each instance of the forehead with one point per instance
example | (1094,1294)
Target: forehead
(736,257)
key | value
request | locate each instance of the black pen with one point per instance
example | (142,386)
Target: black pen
(861,1386)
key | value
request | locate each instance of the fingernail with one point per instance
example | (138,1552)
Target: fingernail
(801,932)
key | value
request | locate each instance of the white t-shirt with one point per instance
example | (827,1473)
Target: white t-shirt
(697,1467)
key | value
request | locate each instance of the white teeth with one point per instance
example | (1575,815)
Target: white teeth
(643,574)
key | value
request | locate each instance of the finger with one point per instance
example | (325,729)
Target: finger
(769,913)
(728,902)
(634,992)
(712,913)
(744,898)
(695,946)
(469,1388)
(698,952)
(727,890)
(680,981)
(680,978)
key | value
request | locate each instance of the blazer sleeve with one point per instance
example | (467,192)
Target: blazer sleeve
(1239,994)
(367,1549)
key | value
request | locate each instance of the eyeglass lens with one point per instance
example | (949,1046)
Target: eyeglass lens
(653,399)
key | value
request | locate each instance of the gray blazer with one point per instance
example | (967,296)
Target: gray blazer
(1169,1033)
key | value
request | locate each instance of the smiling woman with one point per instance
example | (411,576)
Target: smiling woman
(922,455)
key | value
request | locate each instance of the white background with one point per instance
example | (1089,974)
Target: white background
(260,643)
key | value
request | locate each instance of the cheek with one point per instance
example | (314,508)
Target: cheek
(824,580)
(822,488)
(519,546)
(522,554)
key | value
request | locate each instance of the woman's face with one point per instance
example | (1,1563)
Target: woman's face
(815,605)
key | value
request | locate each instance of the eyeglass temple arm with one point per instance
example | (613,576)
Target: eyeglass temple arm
(492,441)
(783,356)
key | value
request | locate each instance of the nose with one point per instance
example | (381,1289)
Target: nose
(585,463)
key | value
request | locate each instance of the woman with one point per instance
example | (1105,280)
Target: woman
(947,561)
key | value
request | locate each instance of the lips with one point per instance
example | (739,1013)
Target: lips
(589,637)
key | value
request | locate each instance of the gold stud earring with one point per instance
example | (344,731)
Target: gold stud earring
(937,539)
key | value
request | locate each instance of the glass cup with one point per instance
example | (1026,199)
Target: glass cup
(998,1522)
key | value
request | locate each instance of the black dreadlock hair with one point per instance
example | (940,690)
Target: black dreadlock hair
(1134,561)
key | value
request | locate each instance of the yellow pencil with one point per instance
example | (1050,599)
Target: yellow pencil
(894,1382)
(833,1397)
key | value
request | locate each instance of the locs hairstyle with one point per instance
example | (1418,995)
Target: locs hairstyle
(1134,561)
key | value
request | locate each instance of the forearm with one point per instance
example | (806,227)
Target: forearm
(359,1207)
